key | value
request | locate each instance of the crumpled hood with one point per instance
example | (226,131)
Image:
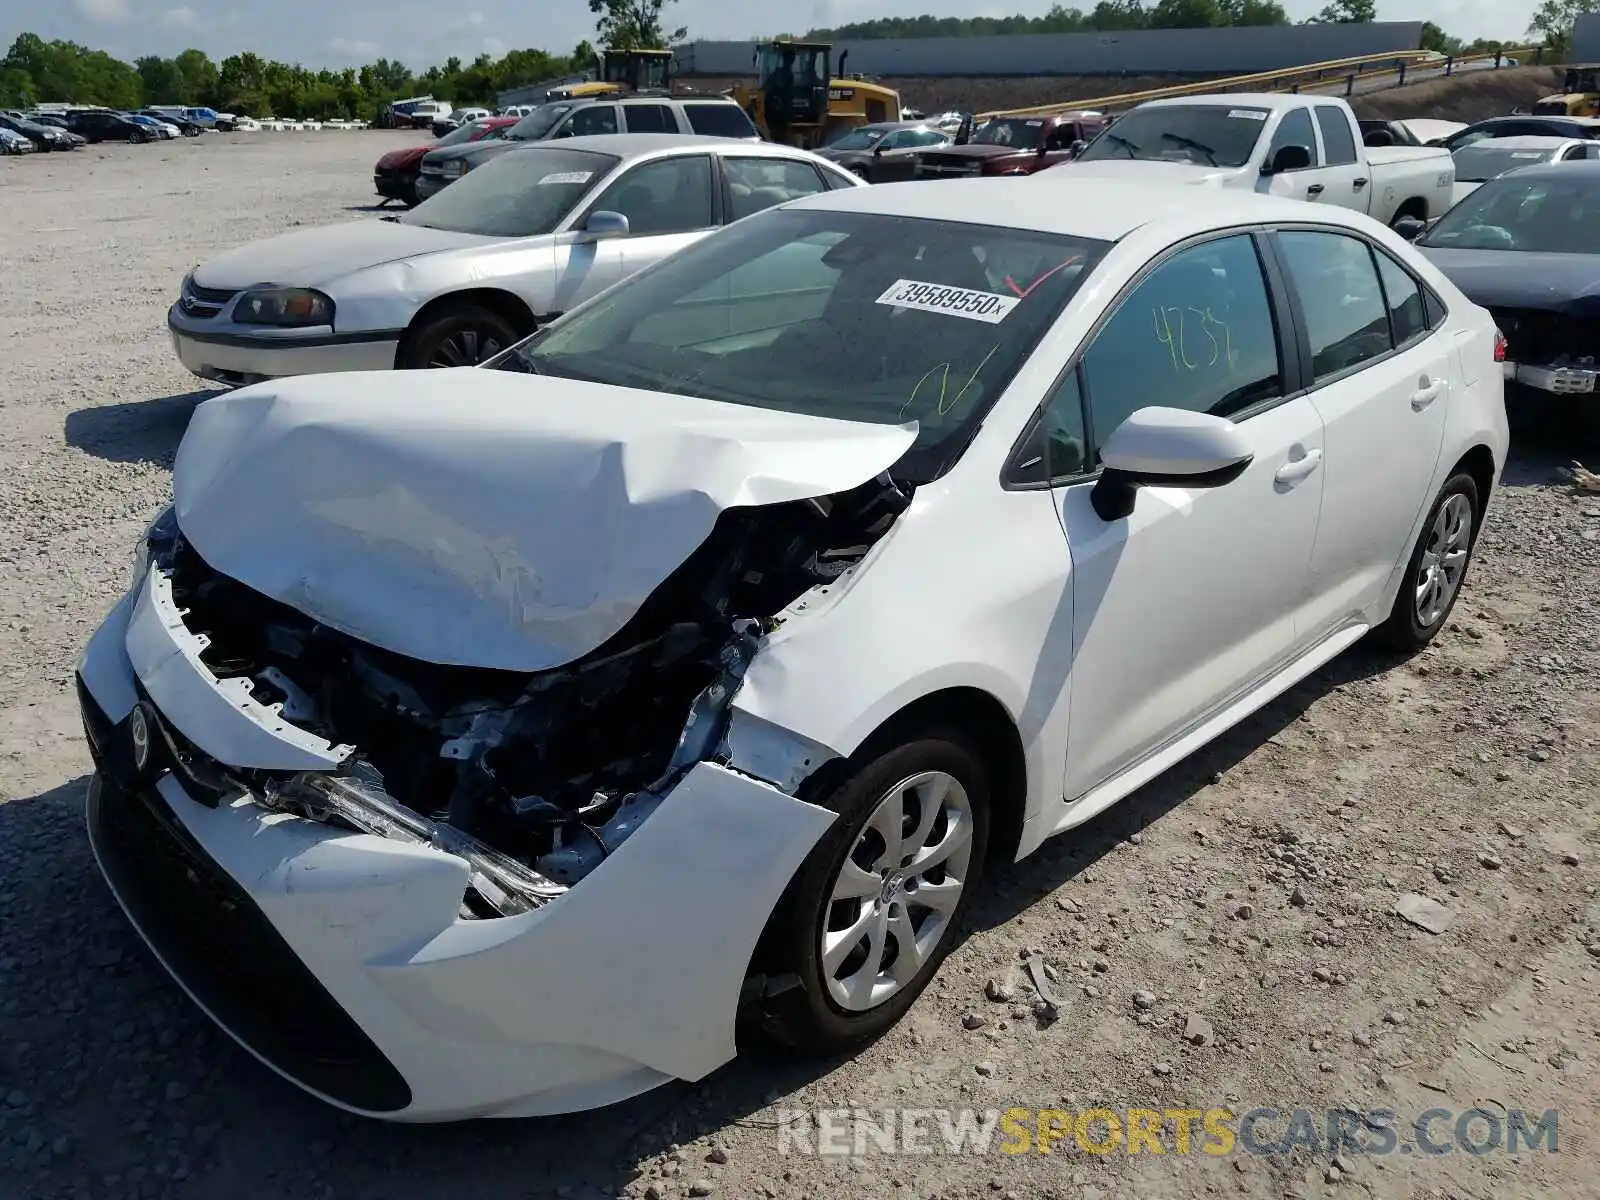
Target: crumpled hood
(1147,171)
(309,257)
(487,518)
(1517,279)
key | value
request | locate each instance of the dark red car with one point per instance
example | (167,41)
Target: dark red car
(1012,146)
(395,176)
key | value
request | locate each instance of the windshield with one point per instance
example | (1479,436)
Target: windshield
(1476,164)
(1199,133)
(1023,134)
(1545,214)
(524,193)
(859,139)
(538,123)
(851,316)
(467,133)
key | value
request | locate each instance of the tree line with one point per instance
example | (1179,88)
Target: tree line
(35,71)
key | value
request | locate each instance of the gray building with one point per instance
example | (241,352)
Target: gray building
(1586,39)
(1236,51)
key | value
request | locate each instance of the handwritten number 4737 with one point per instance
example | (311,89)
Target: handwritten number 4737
(1194,337)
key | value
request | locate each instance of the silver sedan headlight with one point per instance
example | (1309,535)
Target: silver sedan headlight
(284,307)
(158,535)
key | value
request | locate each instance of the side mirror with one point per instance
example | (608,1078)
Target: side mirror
(1410,228)
(877,151)
(1077,147)
(1288,158)
(602,226)
(1167,447)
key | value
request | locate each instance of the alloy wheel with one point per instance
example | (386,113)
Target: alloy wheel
(892,900)
(1444,559)
(465,348)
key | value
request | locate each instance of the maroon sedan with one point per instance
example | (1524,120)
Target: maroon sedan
(395,176)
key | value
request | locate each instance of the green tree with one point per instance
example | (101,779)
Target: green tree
(199,77)
(1347,12)
(1553,20)
(633,24)
(160,80)
(1186,14)
(1254,12)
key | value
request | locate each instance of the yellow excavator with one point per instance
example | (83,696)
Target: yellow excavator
(622,72)
(1580,94)
(797,99)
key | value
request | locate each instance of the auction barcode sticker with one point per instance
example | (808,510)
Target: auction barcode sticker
(1247,114)
(566,177)
(990,307)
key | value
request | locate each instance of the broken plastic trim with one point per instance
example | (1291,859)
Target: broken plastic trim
(506,884)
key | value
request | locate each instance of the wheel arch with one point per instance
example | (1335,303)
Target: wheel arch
(993,734)
(1479,463)
(508,306)
(1411,206)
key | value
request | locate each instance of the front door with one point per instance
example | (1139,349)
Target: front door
(1296,129)
(1383,370)
(1197,595)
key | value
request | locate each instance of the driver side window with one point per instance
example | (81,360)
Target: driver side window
(671,195)
(1196,333)
(1295,130)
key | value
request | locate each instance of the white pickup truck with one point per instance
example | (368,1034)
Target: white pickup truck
(1302,146)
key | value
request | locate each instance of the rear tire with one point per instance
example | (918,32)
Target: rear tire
(456,335)
(1436,569)
(850,991)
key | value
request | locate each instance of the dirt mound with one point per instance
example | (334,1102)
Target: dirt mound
(1470,97)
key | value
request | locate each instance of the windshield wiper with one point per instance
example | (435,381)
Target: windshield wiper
(1211,155)
(1123,142)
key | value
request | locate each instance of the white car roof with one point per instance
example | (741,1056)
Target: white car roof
(1052,201)
(1525,141)
(1275,101)
(635,145)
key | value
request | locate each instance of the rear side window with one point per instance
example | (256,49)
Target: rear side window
(649,118)
(597,118)
(1338,143)
(755,184)
(1410,314)
(1347,320)
(719,120)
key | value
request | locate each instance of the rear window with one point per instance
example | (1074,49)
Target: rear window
(719,120)
(1484,161)
(524,194)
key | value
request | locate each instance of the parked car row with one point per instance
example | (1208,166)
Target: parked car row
(70,128)
(498,739)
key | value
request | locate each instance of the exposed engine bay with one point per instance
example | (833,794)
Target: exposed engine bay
(550,770)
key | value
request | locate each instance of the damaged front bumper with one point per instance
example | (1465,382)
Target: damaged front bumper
(342,959)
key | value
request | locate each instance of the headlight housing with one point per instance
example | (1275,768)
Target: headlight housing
(158,536)
(456,166)
(284,307)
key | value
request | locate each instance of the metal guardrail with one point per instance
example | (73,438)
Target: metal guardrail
(1286,79)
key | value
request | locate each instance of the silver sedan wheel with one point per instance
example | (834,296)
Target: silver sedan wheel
(1444,559)
(893,899)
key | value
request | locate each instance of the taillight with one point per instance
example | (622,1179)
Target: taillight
(1499,346)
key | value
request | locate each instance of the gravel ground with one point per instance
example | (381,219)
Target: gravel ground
(1224,938)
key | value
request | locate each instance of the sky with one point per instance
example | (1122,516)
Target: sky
(336,33)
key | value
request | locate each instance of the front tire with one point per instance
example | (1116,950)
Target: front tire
(874,909)
(1437,567)
(456,335)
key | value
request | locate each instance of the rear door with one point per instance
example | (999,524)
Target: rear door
(650,118)
(1382,373)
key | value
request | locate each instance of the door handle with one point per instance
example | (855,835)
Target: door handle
(1359,184)
(1428,390)
(1293,472)
(1314,190)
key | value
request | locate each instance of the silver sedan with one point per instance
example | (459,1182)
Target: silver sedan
(505,250)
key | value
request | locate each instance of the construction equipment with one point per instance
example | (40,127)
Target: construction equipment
(798,101)
(621,73)
(1580,94)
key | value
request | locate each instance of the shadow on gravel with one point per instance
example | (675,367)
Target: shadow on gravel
(144,431)
(1541,449)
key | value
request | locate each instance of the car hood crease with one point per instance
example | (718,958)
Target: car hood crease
(309,257)
(483,518)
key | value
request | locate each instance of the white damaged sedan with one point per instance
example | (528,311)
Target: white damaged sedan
(485,742)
